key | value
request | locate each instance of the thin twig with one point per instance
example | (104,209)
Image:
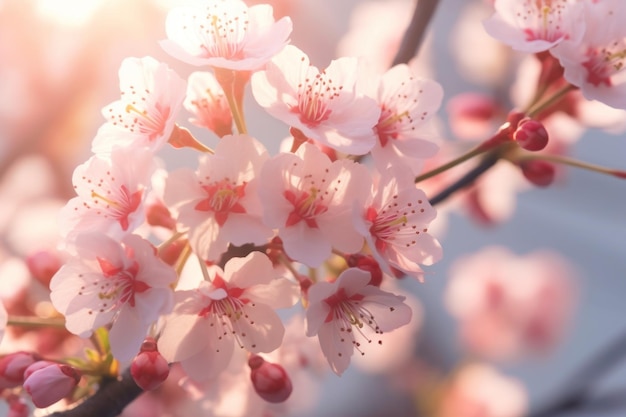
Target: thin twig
(468,179)
(579,384)
(414,35)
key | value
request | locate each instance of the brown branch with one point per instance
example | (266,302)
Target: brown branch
(109,401)
(414,35)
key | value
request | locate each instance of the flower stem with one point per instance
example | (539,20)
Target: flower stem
(573,163)
(205,271)
(227,80)
(34,321)
(466,156)
(488,161)
(539,107)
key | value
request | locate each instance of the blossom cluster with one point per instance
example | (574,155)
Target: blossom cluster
(250,223)
(254,265)
(586,36)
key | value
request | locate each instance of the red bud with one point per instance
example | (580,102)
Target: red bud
(269,380)
(531,135)
(540,173)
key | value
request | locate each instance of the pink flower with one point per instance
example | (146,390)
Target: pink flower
(206,100)
(536,25)
(597,62)
(50,383)
(225,34)
(235,308)
(325,105)
(349,314)
(407,106)
(309,200)
(110,194)
(151,96)
(219,202)
(481,391)
(509,305)
(122,284)
(395,224)
(12,368)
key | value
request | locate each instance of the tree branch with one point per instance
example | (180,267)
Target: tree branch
(414,35)
(578,385)
(468,179)
(109,401)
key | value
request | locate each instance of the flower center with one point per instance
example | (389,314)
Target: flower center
(314,99)
(120,208)
(604,63)
(222,199)
(305,207)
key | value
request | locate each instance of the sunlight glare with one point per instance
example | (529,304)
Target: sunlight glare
(68,12)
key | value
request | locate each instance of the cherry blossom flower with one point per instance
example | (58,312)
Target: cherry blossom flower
(349,314)
(206,100)
(407,105)
(225,34)
(49,382)
(309,199)
(509,305)
(110,193)
(151,97)
(395,224)
(121,284)
(596,63)
(235,308)
(219,202)
(536,25)
(326,106)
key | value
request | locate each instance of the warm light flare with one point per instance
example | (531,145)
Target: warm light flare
(68,12)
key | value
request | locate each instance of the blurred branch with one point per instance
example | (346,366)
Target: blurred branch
(414,35)
(468,179)
(109,401)
(576,395)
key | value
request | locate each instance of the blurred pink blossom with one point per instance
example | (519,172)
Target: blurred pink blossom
(509,305)
(225,34)
(481,391)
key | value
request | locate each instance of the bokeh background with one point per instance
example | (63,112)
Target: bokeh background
(58,68)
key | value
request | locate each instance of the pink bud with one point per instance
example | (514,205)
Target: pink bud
(369,264)
(149,369)
(43,265)
(531,135)
(49,384)
(269,380)
(12,368)
(157,214)
(540,173)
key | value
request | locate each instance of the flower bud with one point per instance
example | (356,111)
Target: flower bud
(540,173)
(149,369)
(12,368)
(42,265)
(369,264)
(157,214)
(269,380)
(531,135)
(50,382)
